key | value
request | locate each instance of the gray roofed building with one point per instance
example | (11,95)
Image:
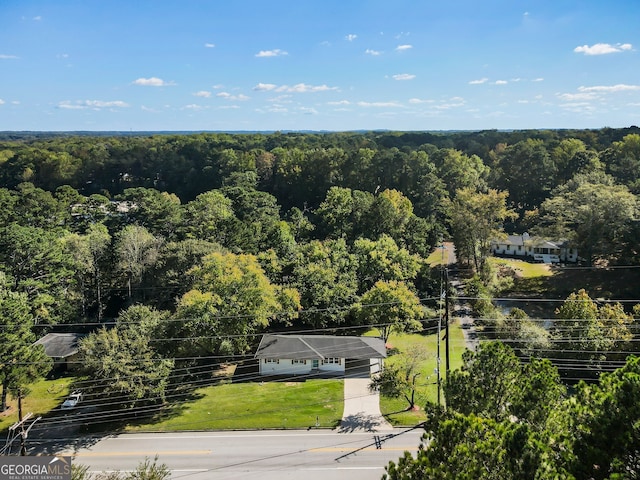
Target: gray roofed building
(324,354)
(60,346)
(320,347)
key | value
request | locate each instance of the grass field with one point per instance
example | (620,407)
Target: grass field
(394,409)
(256,405)
(523,269)
(44,395)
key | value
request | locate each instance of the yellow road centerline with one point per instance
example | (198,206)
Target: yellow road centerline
(139,453)
(373,449)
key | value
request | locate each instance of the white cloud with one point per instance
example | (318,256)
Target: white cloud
(340,102)
(95,104)
(38,18)
(573,97)
(102,104)
(379,104)
(298,88)
(264,87)
(202,93)
(402,48)
(454,102)
(351,37)
(193,106)
(610,89)
(228,96)
(281,98)
(418,101)
(7,57)
(539,79)
(501,82)
(479,81)
(209,45)
(304,88)
(374,53)
(2,102)
(151,82)
(271,53)
(308,110)
(404,76)
(602,48)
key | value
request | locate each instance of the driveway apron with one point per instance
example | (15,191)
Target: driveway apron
(361,408)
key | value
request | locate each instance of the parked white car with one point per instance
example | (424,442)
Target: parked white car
(72,401)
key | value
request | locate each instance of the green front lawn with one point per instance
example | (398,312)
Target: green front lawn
(394,409)
(523,269)
(44,395)
(256,406)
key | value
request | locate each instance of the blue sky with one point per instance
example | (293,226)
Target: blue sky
(318,65)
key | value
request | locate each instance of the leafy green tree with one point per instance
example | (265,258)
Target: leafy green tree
(527,172)
(389,214)
(597,430)
(382,259)
(231,301)
(123,363)
(21,362)
(159,212)
(136,251)
(469,447)
(89,254)
(593,213)
(458,170)
(168,279)
(325,274)
(588,332)
(35,263)
(206,215)
(477,219)
(401,379)
(624,161)
(526,392)
(524,334)
(390,306)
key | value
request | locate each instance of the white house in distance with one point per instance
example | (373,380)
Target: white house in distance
(534,249)
(320,354)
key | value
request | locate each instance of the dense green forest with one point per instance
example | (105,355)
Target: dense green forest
(189,246)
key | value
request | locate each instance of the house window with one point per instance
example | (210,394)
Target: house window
(271,360)
(298,362)
(335,361)
(508,247)
(519,248)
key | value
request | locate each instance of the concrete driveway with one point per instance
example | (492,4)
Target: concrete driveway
(361,408)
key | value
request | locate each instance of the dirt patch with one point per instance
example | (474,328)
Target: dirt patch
(7,412)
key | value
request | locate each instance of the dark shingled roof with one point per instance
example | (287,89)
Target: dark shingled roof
(310,347)
(60,345)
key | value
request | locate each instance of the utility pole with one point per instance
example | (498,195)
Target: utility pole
(446,321)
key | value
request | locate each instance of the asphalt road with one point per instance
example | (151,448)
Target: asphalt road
(264,455)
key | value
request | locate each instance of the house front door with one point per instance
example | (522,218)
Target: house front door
(314,364)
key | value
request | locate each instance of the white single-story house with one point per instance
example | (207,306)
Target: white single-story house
(320,354)
(62,348)
(535,249)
